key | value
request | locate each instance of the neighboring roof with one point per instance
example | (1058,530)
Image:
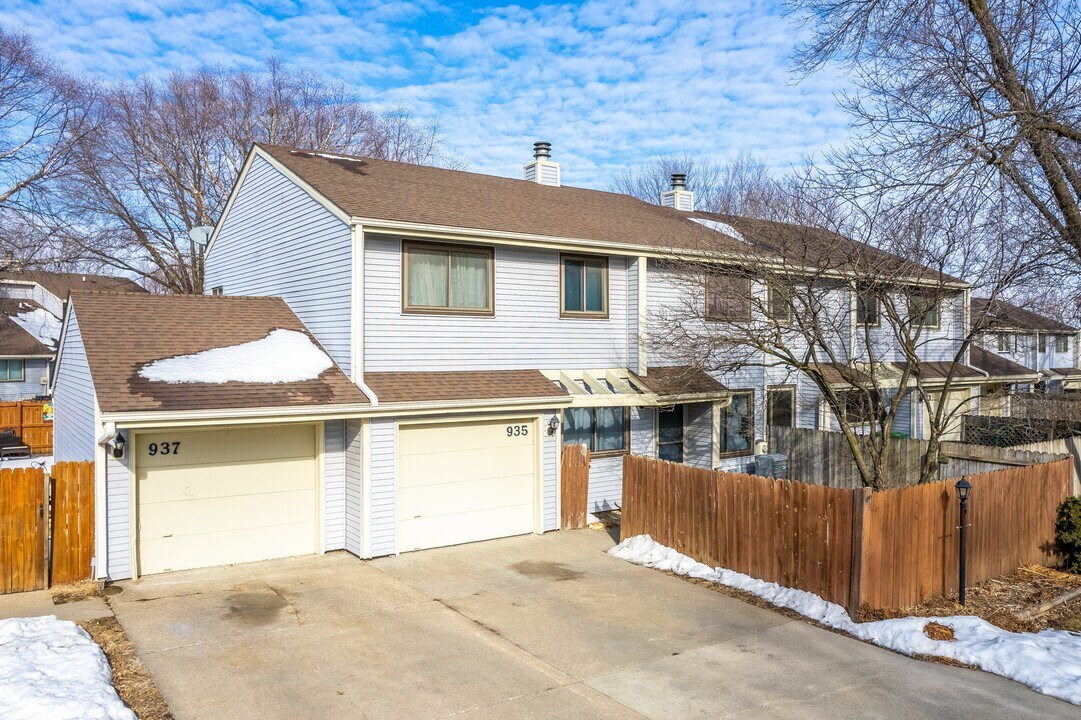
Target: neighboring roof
(680,380)
(448,386)
(1067,372)
(61,284)
(838,374)
(940,369)
(996,365)
(16,342)
(122,333)
(1006,316)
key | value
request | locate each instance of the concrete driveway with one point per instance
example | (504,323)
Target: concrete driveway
(530,627)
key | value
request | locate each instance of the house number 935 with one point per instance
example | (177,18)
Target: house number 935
(517,430)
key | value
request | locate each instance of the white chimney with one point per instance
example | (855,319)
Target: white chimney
(678,196)
(542,170)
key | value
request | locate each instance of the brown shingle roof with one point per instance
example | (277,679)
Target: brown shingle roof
(1067,372)
(680,380)
(1006,316)
(16,342)
(839,374)
(996,365)
(123,333)
(939,369)
(402,387)
(60,284)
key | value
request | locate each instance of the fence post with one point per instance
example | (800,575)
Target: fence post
(860,498)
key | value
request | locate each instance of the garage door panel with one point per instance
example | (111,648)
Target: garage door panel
(225,480)
(433,468)
(464,482)
(234,546)
(468,496)
(225,445)
(221,514)
(463,528)
(226,496)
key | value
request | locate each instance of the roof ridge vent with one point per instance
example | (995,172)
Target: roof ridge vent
(678,196)
(542,170)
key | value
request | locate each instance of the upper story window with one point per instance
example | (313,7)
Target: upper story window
(737,424)
(454,279)
(1004,342)
(924,309)
(11,371)
(584,286)
(866,308)
(1041,342)
(778,305)
(1062,343)
(728,298)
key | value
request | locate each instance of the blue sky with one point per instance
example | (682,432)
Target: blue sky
(611,84)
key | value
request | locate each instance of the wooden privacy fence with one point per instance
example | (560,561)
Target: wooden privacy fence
(43,544)
(574,484)
(889,549)
(27,419)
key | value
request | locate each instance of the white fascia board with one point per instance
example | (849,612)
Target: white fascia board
(257,151)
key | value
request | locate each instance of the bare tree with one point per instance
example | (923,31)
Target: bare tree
(863,330)
(169,151)
(967,97)
(743,186)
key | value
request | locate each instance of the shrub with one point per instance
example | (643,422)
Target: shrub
(1068,532)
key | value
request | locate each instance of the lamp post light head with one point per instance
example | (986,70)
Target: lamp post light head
(963,487)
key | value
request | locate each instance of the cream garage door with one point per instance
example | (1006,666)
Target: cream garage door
(214,497)
(467,481)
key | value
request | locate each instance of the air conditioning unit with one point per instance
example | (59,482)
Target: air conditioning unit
(771,465)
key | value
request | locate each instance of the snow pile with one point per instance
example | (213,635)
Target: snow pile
(40,323)
(721,227)
(51,669)
(1048,662)
(283,356)
(45,462)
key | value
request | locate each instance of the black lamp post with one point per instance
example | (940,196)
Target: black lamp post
(963,487)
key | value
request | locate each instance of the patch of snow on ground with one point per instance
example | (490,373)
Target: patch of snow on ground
(42,324)
(44,461)
(1048,661)
(283,356)
(51,669)
(721,227)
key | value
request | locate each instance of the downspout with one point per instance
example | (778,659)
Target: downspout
(356,360)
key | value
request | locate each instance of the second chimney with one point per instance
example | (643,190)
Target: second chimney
(542,170)
(678,196)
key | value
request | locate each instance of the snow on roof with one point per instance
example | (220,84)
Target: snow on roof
(283,356)
(39,322)
(52,669)
(721,227)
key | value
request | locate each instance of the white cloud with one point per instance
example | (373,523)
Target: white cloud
(609,83)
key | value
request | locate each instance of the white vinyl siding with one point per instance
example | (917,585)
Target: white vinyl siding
(549,461)
(73,402)
(383,509)
(605,483)
(118,515)
(643,441)
(698,434)
(33,369)
(334,482)
(525,332)
(276,240)
(354,488)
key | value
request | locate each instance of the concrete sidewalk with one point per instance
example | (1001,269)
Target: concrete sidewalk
(40,602)
(530,627)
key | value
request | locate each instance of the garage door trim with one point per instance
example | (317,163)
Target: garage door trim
(534,421)
(133,475)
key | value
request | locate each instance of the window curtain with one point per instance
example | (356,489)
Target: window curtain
(610,434)
(578,427)
(427,278)
(468,281)
(738,425)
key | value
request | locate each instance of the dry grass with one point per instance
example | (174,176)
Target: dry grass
(1004,601)
(938,631)
(75,592)
(130,677)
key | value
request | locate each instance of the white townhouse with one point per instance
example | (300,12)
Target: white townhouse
(1042,344)
(480,323)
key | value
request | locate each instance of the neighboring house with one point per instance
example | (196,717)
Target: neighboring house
(1041,344)
(31,309)
(481,322)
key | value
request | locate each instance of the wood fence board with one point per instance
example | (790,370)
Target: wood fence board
(574,487)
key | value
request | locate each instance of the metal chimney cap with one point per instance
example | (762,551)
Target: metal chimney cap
(542,149)
(679,181)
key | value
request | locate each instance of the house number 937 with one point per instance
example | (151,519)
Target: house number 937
(517,430)
(165,448)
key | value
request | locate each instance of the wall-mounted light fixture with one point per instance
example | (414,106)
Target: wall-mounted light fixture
(553,425)
(119,444)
